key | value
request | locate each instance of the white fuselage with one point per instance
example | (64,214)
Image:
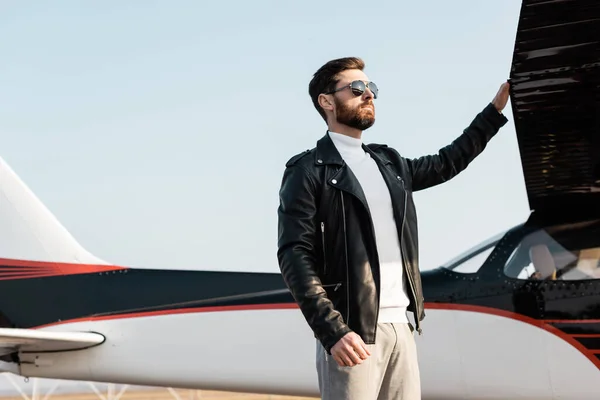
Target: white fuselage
(462,355)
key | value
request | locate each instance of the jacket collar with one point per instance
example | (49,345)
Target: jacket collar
(326,153)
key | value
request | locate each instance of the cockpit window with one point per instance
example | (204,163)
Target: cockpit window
(557,253)
(470,261)
(472,264)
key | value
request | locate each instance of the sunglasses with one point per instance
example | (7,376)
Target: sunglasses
(358,88)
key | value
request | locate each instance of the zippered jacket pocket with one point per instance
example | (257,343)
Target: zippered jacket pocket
(336,286)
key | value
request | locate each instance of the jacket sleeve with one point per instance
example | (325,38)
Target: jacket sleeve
(431,170)
(297,232)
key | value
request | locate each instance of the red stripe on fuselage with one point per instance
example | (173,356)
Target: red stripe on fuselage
(39,269)
(244,307)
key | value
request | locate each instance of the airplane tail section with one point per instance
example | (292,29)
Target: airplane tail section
(29,231)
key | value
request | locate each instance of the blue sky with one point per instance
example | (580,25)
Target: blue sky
(157,132)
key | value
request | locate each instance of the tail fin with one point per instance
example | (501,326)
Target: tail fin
(29,231)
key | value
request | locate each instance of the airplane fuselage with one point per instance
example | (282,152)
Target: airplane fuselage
(466,353)
(482,338)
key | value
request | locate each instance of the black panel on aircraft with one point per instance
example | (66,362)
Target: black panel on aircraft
(555,97)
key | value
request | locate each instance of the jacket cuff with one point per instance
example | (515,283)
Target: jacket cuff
(497,119)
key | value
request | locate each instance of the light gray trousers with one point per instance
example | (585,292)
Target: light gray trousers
(390,372)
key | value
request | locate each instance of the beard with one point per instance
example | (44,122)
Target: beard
(360,118)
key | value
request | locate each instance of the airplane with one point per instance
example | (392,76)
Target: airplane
(517,316)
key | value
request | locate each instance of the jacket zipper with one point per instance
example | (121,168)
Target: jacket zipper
(346,253)
(346,249)
(323,242)
(347,269)
(409,276)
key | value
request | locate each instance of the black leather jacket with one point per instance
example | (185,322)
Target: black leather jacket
(326,245)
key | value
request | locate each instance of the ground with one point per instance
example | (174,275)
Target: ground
(163,394)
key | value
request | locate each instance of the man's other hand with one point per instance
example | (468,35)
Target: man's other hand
(350,350)
(501,97)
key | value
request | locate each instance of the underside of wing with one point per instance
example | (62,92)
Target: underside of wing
(32,340)
(555,95)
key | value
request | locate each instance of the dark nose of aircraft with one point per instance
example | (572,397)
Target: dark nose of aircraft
(434,284)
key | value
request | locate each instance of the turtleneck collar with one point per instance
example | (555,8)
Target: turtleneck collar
(348,146)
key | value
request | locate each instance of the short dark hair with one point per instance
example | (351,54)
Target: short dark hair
(326,78)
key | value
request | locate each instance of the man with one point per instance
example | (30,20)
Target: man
(348,237)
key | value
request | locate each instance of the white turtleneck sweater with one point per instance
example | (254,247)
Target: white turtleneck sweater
(394,299)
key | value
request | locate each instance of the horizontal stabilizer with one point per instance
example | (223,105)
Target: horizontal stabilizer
(32,340)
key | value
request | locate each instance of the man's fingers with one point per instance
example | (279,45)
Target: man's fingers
(364,346)
(338,360)
(362,351)
(345,360)
(361,348)
(503,91)
(358,347)
(502,96)
(350,352)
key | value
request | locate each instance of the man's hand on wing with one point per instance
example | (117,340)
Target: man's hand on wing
(350,350)
(501,97)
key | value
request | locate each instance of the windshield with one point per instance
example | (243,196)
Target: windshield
(470,260)
(568,252)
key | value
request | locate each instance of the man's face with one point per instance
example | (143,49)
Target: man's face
(355,111)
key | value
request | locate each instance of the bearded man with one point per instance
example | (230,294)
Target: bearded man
(347,237)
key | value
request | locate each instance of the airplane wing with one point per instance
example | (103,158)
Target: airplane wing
(555,98)
(32,340)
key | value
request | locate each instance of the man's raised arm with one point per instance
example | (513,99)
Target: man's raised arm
(431,170)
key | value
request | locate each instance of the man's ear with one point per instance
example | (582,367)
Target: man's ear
(326,102)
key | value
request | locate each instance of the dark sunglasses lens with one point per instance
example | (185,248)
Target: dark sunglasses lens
(374,89)
(358,87)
